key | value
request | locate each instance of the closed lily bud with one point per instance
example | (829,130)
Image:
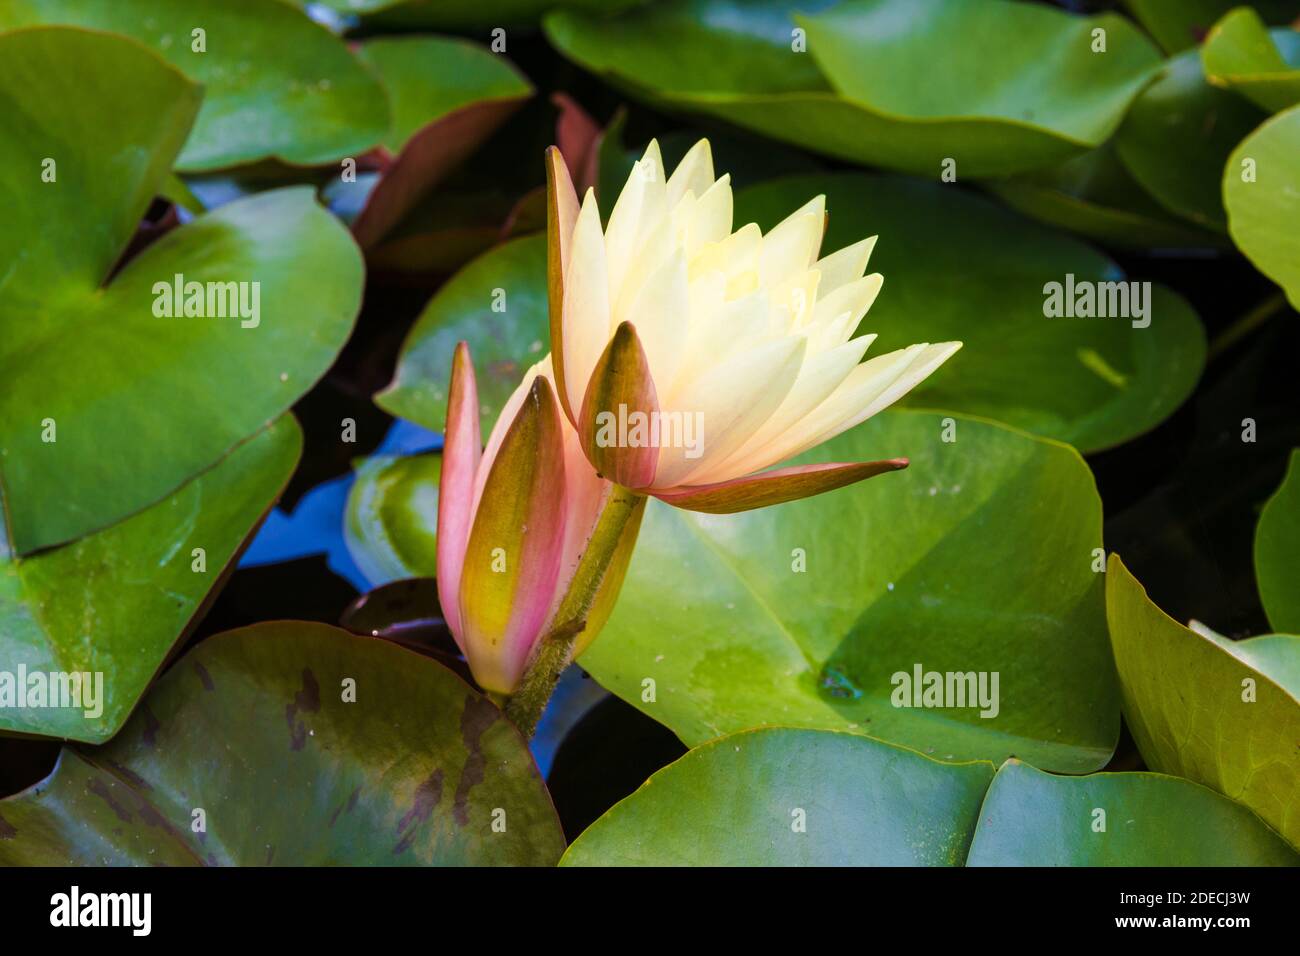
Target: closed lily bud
(690,357)
(513,519)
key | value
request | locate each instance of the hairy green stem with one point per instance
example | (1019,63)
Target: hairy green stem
(1246,324)
(555,651)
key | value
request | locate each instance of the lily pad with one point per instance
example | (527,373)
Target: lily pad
(1197,709)
(1095,196)
(1277,553)
(446,97)
(1277,655)
(275,83)
(895,83)
(254,735)
(430,77)
(1031,818)
(1185,23)
(781,797)
(497,304)
(1093,382)
(1242,55)
(97,376)
(1261,190)
(115,602)
(816,613)
(464,14)
(1177,136)
(392,517)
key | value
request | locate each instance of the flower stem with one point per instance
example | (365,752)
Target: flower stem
(1246,324)
(555,650)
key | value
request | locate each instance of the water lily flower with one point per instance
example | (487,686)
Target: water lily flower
(515,518)
(690,357)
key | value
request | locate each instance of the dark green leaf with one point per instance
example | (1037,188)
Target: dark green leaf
(428,77)
(1199,709)
(447,96)
(1180,24)
(275,84)
(116,601)
(1095,196)
(1277,553)
(1241,54)
(1177,136)
(793,798)
(1261,190)
(896,83)
(945,565)
(1031,818)
(464,14)
(96,380)
(255,728)
(497,304)
(392,517)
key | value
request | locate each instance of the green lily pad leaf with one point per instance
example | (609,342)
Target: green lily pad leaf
(275,84)
(464,14)
(1183,24)
(781,797)
(1093,382)
(105,370)
(1031,818)
(497,304)
(937,75)
(1198,710)
(1277,655)
(115,602)
(893,83)
(1261,190)
(1095,196)
(818,613)
(1242,55)
(446,96)
(1277,552)
(391,520)
(1177,136)
(392,759)
(430,77)
(175,190)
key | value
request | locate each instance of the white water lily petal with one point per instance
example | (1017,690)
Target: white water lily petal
(731,400)
(791,248)
(586,302)
(931,357)
(659,310)
(712,217)
(736,254)
(795,301)
(859,398)
(858,388)
(854,298)
(756,333)
(641,208)
(819,376)
(845,265)
(736,325)
(693,174)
